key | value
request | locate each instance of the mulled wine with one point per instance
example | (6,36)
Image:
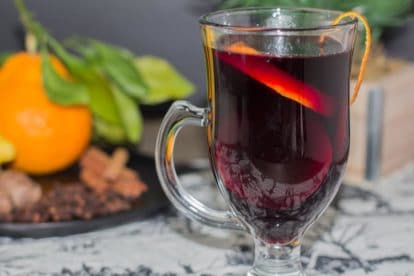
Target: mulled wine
(279,136)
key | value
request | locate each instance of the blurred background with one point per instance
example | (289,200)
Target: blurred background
(164,28)
(169,29)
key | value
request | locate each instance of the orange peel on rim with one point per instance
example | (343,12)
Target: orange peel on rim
(368,42)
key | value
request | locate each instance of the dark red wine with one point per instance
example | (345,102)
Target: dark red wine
(280,134)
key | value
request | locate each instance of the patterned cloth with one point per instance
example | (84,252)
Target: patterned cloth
(365,232)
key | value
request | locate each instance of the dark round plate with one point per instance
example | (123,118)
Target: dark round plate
(149,204)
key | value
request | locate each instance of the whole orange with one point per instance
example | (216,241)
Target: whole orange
(48,137)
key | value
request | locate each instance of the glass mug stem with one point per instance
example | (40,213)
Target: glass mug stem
(276,259)
(180,114)
(270,259)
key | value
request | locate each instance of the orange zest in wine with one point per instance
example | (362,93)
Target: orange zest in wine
(241,48)
(276,79)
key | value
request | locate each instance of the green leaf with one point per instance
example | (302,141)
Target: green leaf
(130,115)
(4,56)
(116,63)
(101,98)
(102,101)
(231,4)
(78,68)
(83,47)
(60,90)
(163,80)
(111,133)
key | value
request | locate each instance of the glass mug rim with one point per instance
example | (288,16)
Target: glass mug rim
(207,19)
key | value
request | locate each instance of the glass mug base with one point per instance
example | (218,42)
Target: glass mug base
(277,260)
(258,271)
(277,126)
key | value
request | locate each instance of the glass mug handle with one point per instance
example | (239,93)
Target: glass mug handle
(181,114)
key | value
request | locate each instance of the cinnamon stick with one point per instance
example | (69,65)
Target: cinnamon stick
(102,172)
(93,180)
(116,164)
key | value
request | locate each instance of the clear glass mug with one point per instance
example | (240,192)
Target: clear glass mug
(277,125)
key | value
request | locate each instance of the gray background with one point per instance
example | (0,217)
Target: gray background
(166,28)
